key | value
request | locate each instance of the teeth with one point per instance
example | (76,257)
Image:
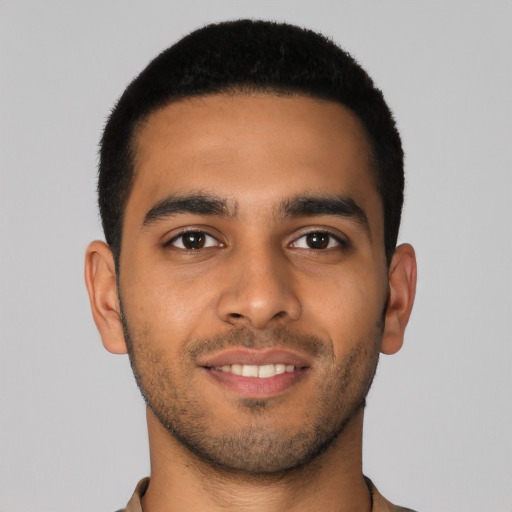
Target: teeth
(237,369)
(250,370)
(266,371)
(280,368)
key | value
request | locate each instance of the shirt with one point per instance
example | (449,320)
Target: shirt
(379,503)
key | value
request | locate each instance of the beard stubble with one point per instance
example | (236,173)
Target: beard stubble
(249,447)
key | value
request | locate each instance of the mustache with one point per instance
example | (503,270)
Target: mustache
(243,337)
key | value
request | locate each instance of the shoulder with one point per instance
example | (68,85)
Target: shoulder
(381,504)
(134,505)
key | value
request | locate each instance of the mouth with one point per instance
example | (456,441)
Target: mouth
(265,371)
(258,374)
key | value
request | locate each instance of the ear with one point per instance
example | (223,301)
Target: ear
(402,289)
(100,279)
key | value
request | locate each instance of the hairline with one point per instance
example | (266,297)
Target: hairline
(237,90)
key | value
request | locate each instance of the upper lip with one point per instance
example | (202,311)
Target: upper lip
(258,357)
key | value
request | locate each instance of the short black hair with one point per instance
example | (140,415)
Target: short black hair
(249,56)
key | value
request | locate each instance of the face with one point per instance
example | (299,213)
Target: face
(252,275)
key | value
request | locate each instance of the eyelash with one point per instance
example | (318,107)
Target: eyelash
(339,242)
(199,232)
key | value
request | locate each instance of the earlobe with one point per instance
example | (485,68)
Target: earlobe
(402,289)
(100,279)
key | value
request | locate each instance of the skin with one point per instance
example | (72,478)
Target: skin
(258,284)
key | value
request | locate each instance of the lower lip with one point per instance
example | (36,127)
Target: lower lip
(256,387)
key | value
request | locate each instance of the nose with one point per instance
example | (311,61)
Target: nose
(258,291)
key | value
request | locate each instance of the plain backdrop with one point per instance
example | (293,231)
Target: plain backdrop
(438,434)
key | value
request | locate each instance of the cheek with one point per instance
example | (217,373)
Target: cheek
(165,302)
(348,305)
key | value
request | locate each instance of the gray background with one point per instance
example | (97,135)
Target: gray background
(439,419)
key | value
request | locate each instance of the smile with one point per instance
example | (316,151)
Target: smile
(250,370)
(257,373)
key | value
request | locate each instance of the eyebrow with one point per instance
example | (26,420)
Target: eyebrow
(300,206)
(201,204)
(339,206)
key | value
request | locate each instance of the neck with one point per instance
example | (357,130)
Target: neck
(181,482)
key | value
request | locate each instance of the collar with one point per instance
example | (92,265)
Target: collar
(379,503)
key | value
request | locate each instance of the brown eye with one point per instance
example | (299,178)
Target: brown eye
(317,240)
(193,240)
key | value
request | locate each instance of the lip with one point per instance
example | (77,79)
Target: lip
(256,357)
(255,387)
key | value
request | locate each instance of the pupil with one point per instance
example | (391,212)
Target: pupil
(193,240)
(318,240)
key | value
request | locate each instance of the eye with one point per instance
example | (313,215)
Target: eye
(192,240)
(317,240)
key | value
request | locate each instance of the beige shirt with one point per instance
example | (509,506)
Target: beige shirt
(380,504)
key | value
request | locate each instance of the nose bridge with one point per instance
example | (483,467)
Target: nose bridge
(258,288)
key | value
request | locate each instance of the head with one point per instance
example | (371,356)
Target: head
(243,57)
(250,189)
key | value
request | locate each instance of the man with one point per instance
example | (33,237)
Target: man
(250,188)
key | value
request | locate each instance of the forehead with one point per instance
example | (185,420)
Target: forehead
(252,148)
